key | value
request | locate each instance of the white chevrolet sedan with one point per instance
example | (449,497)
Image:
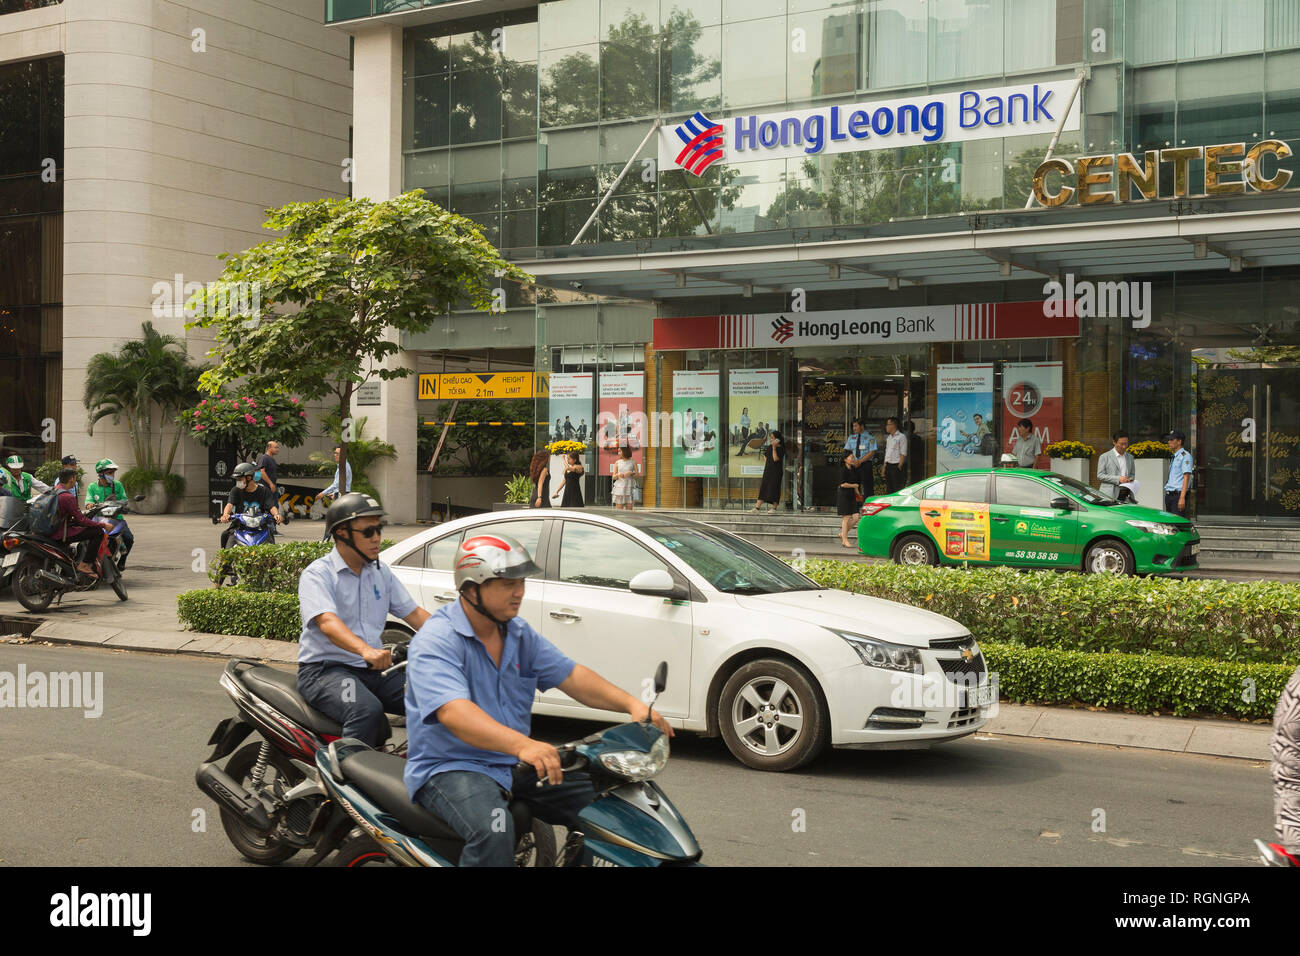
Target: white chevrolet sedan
(756,651)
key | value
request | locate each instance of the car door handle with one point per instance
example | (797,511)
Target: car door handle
(568,617)
(444,597)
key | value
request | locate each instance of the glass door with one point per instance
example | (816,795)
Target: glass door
(1248,440)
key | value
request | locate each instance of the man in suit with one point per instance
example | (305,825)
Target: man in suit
(1116,466)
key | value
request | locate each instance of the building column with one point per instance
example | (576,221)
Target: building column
(377,175)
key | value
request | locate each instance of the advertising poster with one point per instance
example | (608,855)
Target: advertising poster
(1032,390)
(964,407)
(571,415)
(751,416)
(695,424)
(620,420)
(961,530)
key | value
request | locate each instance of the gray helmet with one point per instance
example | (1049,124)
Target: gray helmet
(242,469)
(483,557)
(353,505)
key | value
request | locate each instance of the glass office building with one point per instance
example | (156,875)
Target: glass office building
(863,278)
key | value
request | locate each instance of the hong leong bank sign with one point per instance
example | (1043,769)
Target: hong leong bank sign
(955,116)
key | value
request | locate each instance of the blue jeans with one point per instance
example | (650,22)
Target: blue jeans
(360,705)
(468,801)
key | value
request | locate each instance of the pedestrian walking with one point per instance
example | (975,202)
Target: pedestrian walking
(769,487)
(849,500)
(266,464)
(1026,445)
(1116,467)
(625,472)
(895,456)
(1180,475)
(861,444)
(327,496)
(571,483)
(539,472)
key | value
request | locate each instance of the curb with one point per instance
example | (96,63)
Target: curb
(1213,738)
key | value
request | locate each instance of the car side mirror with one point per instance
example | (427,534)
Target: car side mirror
(1060,503)
(656,583)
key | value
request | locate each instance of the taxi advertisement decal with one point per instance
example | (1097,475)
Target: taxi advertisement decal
(961,531)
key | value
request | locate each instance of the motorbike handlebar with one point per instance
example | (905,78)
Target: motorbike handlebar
(570,761)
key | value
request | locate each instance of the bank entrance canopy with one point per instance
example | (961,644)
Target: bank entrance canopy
(993,247)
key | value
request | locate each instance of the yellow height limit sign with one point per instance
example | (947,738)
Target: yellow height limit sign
(471,385)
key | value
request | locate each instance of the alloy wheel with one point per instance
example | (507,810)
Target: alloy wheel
(767,715)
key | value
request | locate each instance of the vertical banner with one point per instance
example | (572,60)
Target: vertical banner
(1032,390)
(964,438)
(222,460)
(620,420)
(751,417)
(571,419)
(695,424)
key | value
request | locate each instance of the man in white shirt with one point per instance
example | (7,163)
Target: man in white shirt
(895,456)
(1025,444)
(1116,467)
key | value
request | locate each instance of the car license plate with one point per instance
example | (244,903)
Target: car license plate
(1194,549)
(10,560)
(984,695)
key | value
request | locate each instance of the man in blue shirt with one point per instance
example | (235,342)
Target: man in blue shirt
(345,599)
(1180,475)
(471,675)
(862,446)
(333,491)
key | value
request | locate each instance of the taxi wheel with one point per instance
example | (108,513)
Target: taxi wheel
(1109,556)
(915,550)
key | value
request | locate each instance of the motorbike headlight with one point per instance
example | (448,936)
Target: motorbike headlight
(874,653)
(1155,527)
(637,765)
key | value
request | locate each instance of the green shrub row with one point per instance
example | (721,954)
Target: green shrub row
(272,567)
(1251,621)
(1143,683)
(269,615)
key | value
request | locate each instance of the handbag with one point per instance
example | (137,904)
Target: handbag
(636,492)
(859,496)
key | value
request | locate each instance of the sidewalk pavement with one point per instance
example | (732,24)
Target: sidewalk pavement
(163,564)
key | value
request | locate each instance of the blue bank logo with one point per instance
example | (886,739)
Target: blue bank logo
(703,144)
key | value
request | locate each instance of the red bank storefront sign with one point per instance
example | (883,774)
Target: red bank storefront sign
(938,323)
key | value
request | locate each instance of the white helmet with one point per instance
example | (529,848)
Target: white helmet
(483,557)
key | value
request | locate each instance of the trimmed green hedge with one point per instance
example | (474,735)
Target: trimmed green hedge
(236,611)
(1253,621)
(1143,683)
(273,567)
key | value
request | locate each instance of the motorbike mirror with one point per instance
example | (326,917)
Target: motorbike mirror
(138,498)
(661,677)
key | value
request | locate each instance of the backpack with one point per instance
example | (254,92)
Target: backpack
(43,515)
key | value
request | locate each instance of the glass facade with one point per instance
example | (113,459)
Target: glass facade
(31,244)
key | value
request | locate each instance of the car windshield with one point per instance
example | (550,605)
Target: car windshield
(729,563)
(1086,492)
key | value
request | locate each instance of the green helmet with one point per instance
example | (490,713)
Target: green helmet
(105,464)
(13,461)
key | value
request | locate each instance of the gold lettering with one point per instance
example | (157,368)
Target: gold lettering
(1221,160)
(1129,173)
(1063,195)
(1252,170)
(1087,179)
(1180,157)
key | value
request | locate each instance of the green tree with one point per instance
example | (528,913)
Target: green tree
(333,289)
(484,450)
(148,379)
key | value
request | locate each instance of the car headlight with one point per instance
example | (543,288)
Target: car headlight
(1155,527)
(637,765)
(874,653)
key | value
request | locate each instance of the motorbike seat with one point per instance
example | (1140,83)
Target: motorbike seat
(280,690)
(379,775)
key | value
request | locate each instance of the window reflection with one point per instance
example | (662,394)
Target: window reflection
(590,554)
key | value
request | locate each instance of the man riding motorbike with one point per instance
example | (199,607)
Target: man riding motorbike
(20,483)
(246,497)
(345,599)
(472,671)
(75,527)
(108,488)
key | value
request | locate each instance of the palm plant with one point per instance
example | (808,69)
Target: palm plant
(362,452)
(146,374)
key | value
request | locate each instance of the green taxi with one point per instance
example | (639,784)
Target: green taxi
(1025,518)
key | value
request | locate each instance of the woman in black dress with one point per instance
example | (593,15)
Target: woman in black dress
(571,483)
(540,473)
(846,502)
(769,489)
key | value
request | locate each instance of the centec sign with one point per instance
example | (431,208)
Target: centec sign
(952,117)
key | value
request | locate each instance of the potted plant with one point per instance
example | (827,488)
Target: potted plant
(1151,463)
(1070,458)
(559,451)
(158,487)
(519,494)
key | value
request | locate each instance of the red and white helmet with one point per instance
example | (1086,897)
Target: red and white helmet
(483,557)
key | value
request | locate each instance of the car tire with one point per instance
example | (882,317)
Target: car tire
(1109,556)
(915,550)
(775,689)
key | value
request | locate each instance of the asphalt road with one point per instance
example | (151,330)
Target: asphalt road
(118,789)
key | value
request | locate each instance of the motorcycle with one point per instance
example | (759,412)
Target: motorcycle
(115,524)
(269,792)
(13,517)
(250,531)
(43,569)
(1274,854)
(631,822)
